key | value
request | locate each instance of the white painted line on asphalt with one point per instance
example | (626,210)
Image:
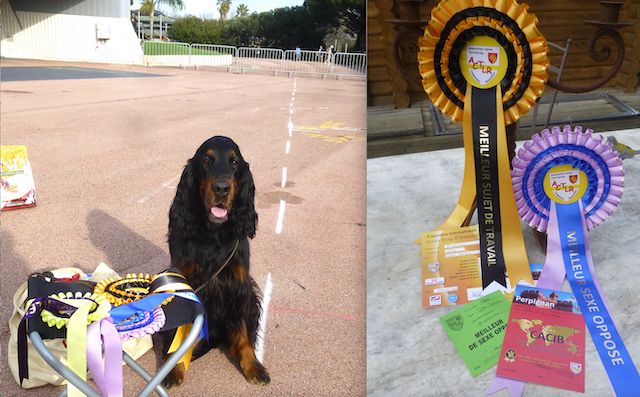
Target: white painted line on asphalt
(280,217)
(266,298)
(166,185)
(287,148)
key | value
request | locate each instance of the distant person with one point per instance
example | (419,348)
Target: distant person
(329,54)
(319,57)
(298,53)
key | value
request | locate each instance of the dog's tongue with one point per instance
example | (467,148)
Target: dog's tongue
(218,212)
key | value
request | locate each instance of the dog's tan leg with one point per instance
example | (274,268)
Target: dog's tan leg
(242,350)
(162,341)
(175,377)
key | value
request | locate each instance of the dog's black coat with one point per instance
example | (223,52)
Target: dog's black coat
(200,244)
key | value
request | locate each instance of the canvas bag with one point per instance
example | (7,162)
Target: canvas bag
(40,373)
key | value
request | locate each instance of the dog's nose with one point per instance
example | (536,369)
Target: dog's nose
(221,188)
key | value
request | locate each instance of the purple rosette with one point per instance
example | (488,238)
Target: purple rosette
(141,324)
(583,150)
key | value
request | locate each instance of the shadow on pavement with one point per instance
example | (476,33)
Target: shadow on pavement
(125,249)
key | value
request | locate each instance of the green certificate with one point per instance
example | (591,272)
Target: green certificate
(477,331)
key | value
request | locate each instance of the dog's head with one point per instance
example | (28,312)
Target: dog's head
(216,189)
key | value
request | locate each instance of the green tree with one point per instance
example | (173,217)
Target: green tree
(329,15)
(339,37)
(242,10)
(224,6)
(242,32)
(148,7)
(195,30)
(308,26)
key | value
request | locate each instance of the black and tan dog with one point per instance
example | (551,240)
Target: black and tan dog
(210,222)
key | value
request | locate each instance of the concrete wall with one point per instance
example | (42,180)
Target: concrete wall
(67,37)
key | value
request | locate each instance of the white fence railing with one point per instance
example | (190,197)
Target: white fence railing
(247,59)
(307,62)
(256,58)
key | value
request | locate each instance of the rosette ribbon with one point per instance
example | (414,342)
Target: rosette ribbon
(141,323)
(567,182)
(170,290)
(486,90)
(75,311)
(121,290)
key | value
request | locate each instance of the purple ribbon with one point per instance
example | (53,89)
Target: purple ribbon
(106,374)
(37,305)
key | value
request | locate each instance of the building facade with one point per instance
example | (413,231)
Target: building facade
(69,30)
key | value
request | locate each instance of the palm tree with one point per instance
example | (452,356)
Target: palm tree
(224,6)
(148,7)
(242,10)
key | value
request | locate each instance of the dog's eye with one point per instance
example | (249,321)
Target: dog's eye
(206,160)
(234,161)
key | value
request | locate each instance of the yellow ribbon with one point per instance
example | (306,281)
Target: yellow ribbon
(461,214)
(181,335)
(77,345)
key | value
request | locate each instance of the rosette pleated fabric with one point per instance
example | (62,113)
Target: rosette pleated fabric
(453,23)
(582,150)
(143,305)
(147,304)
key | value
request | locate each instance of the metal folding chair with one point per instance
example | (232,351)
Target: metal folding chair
(153,382)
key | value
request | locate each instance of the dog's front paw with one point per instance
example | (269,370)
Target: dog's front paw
(256,373)
(175,377)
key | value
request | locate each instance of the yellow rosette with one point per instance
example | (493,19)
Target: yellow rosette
(120,291)
(99,308)
(453,23)
(484,63)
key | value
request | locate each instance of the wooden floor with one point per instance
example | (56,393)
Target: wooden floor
(393,131)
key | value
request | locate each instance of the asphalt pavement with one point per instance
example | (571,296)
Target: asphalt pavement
(106,154)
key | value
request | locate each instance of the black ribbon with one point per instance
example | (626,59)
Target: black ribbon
(55,306)
(485,150)
(180,310)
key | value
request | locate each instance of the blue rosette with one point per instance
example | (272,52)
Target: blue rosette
(579,148)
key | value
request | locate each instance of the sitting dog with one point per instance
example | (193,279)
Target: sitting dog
(210,222)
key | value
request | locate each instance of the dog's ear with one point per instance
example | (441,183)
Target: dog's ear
(185,206)
(244,214)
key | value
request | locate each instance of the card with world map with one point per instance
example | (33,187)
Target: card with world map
(545,339)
